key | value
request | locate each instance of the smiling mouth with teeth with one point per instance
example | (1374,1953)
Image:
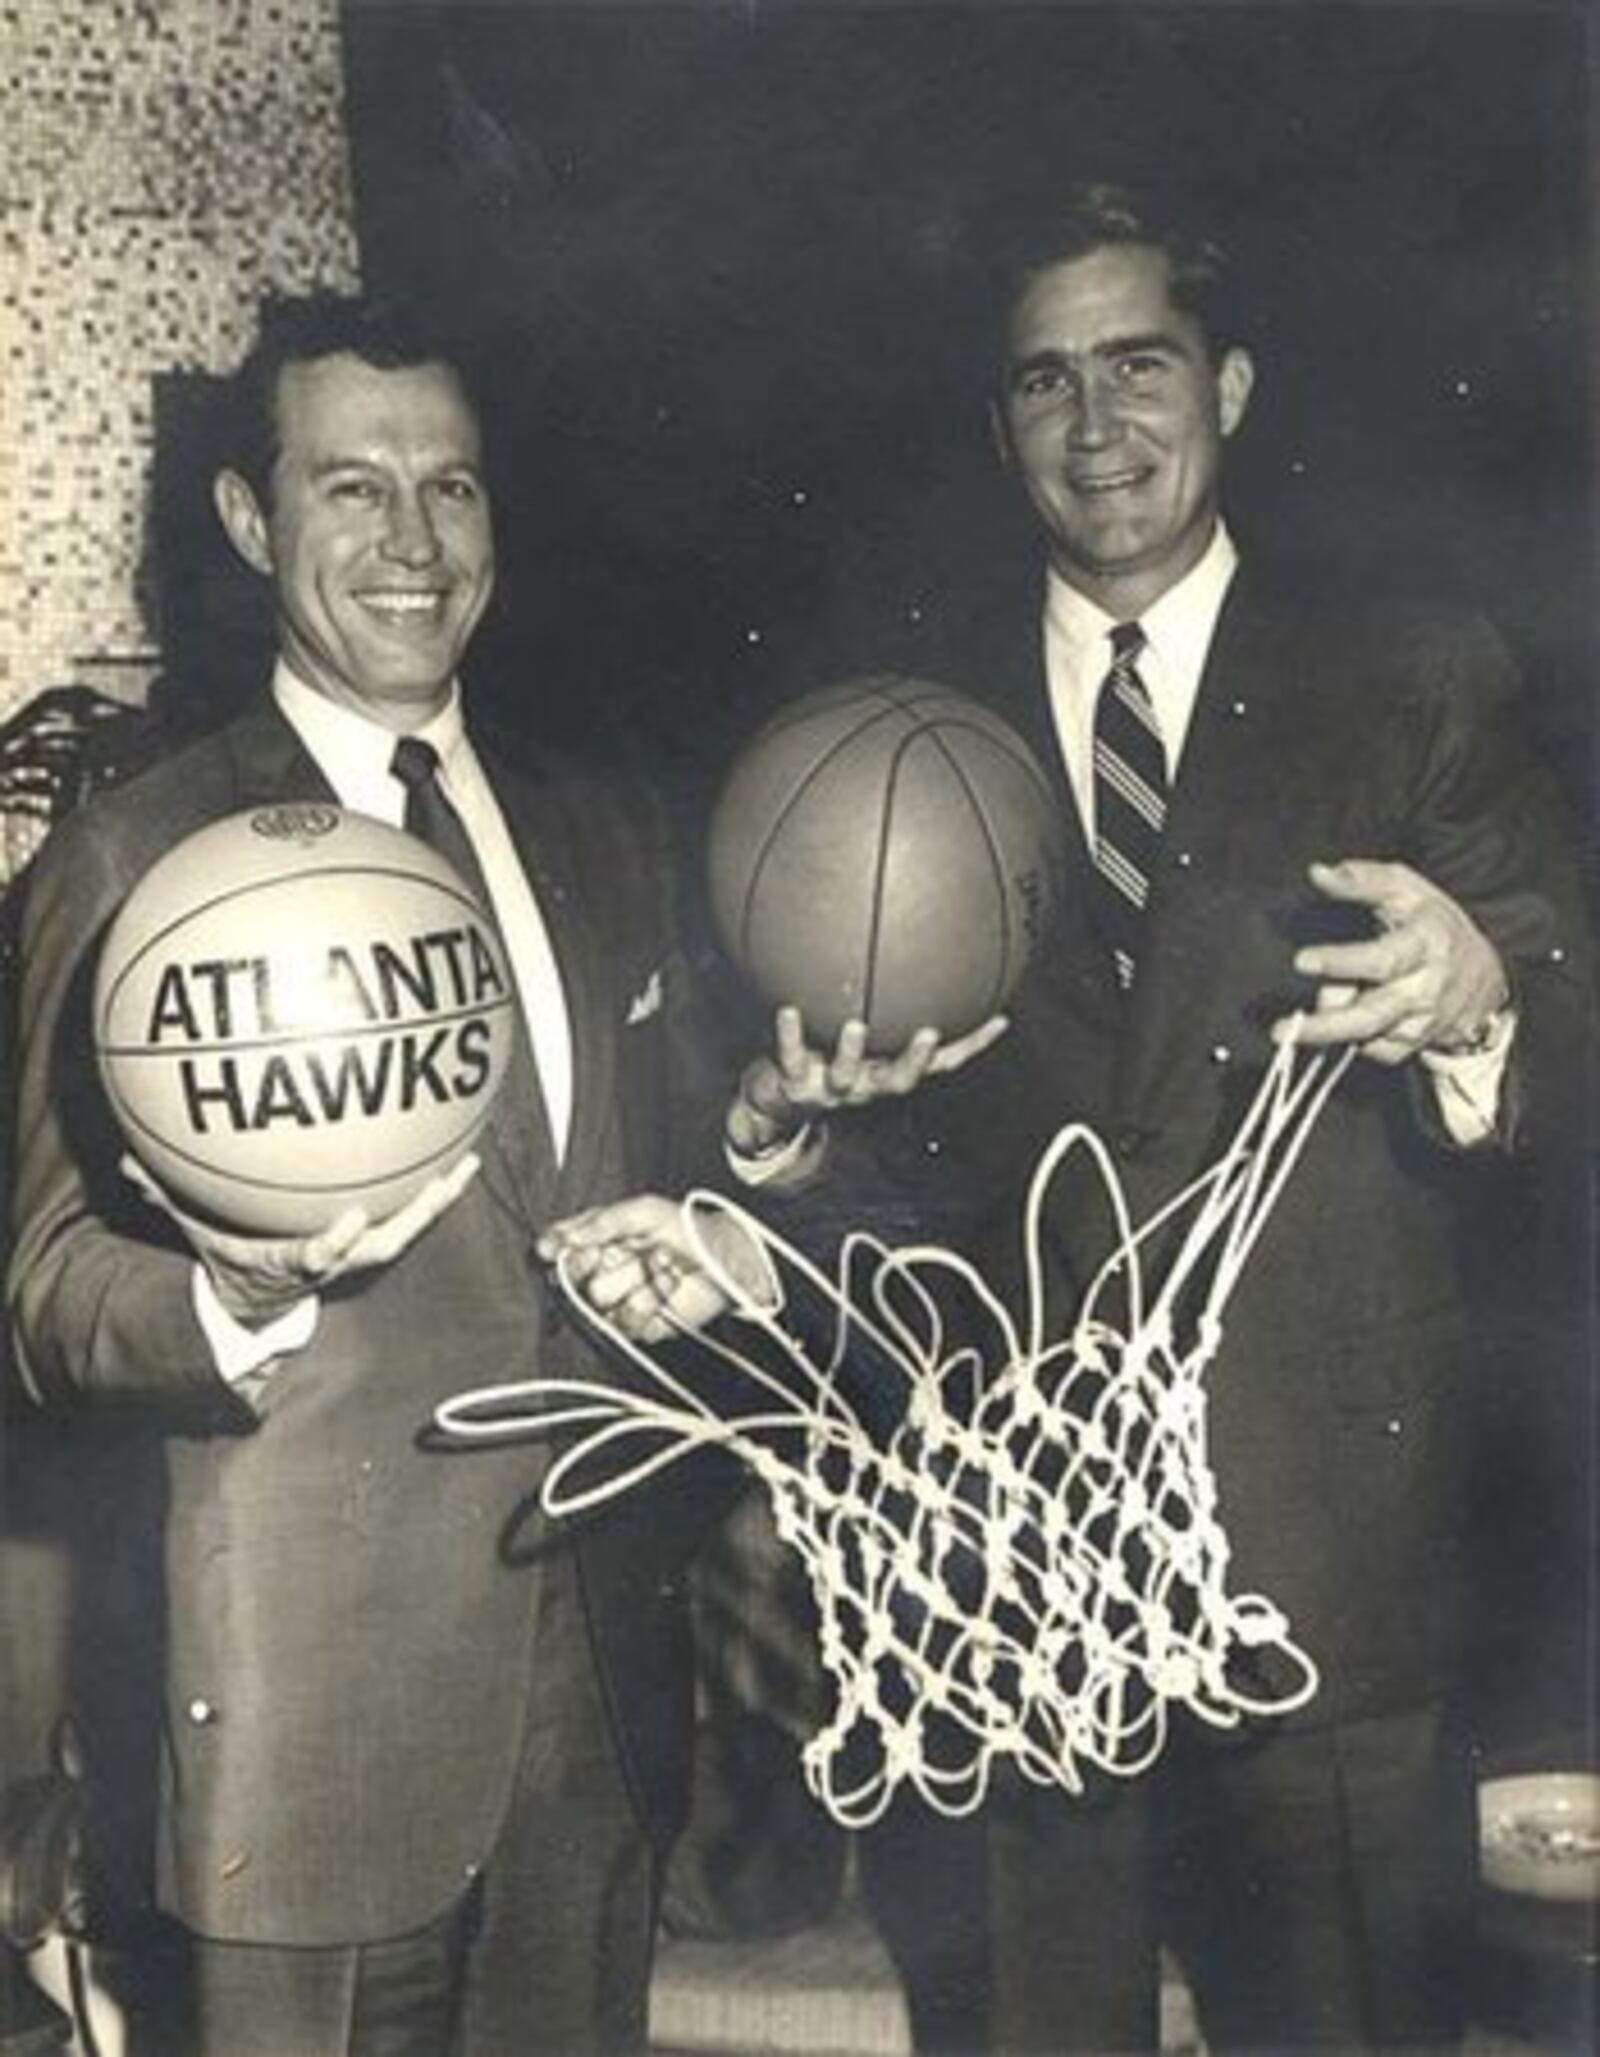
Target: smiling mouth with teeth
(1116,484)
(402,603)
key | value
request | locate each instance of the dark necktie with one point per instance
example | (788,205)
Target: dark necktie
(1130,798)
(520,1119)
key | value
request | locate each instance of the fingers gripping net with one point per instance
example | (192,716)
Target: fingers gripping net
(1022,1559)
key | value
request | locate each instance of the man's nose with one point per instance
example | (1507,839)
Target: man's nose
(1095,419)
(409,537)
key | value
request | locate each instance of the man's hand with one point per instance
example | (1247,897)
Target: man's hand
(258,1278)
(779,1094)
(1428,980)
(634,1262)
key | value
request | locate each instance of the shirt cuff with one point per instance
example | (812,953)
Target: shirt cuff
(795,1154)
(242,1353)
(1467,1083)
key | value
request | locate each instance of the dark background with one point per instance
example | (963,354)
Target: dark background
(734,260)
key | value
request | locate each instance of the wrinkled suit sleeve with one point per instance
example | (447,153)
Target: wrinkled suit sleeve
(1490,827)
(99,1286)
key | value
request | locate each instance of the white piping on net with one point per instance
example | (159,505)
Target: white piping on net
(1030,1565)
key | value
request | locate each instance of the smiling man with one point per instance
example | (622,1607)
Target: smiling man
(372,519)
(421,1758)
(1115,411)
(1281,800)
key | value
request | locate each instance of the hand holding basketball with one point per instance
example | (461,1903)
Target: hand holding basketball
(800,1082)
(885,851)
(258,1278)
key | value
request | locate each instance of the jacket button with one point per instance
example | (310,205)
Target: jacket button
(201,1712)
(1130,1141)
(1221,1054)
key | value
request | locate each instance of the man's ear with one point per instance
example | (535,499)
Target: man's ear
(1236,377)
(240,513)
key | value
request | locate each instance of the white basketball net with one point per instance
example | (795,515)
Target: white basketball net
(1027,1564)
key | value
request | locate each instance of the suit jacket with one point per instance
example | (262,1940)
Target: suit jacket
(350,1608)
(1339,1410)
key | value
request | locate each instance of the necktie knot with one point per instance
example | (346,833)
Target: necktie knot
(414,763)
(1128,639)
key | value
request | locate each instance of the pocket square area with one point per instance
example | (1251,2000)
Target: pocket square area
(647,1000)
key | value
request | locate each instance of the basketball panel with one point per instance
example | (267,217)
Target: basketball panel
(1022,825)
(805,927)
(814,770)
(942,945)
(264,1205)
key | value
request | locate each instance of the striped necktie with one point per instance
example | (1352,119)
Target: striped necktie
(1130,798)
(520,1116)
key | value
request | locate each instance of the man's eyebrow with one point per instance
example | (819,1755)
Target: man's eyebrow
(1051,357)
(357,461)
(1141,340)
(1036,360)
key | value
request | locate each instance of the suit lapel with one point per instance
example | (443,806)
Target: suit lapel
(271,763)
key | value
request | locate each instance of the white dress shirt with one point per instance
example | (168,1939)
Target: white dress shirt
(355,755)
(1178,628)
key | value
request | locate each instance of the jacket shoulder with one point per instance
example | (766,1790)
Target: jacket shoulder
(1402,656)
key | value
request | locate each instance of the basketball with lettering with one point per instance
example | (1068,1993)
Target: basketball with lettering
(885,849)
(299,1009)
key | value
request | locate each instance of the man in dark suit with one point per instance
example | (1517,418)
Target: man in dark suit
(1281,803)
(421,1758)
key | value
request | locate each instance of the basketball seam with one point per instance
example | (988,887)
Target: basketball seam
(260,1182)
(291,1039)
(247,886)
(991,844)
(879,880)
(817,706)
(792,800)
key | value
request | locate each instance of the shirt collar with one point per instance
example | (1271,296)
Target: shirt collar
(1182,618)
(353,751)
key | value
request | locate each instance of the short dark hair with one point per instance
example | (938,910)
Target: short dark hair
(1097,215)
(389,335)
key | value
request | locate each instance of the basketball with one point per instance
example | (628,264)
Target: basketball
(885,849)
(297,1010)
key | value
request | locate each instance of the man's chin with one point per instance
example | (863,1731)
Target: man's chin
(1106,557)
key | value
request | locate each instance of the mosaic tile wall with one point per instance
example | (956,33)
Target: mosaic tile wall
(162,163)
